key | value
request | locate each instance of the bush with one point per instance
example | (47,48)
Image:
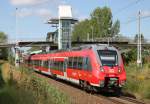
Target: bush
(13,95)
(24,87)
(147,93)
(129,56)
(3,53)
(132,85)
(138,80)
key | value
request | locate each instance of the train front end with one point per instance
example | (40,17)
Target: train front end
(111,68)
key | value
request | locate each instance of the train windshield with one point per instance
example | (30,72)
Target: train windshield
(108,57)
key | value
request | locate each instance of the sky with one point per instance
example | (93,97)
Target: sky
(32,15)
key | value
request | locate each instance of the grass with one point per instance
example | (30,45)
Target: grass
(22,86)
(138,80)
(14,95)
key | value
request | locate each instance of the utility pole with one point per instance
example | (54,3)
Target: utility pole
(16,47)
(16,24)
(139,55)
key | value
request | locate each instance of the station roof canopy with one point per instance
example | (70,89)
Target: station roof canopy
(64,13)
(56,20)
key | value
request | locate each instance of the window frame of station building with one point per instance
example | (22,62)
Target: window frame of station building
(66,37)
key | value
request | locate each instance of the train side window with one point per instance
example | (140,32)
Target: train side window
(87,64)
(51,64)
(35,62)
(80,62)
(55,65)
(70,62)
(39,62)
(61,65)
(75,63)
(45,64)
(31,62)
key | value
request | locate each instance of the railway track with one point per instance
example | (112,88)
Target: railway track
(125,100)
(132,100)
(116,100)
(121,100)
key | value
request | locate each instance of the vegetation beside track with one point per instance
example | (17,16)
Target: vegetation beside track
(22,86)
(138,80)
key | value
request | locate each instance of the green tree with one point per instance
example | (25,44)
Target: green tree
(3,37)
(115,29)
(3,51)
(143,40)
(101,19)
(81,30)
(99,25)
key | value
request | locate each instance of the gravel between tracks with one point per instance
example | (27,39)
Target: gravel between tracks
(77,96)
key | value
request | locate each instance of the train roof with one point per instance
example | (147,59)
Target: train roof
(83,47)
(95,46)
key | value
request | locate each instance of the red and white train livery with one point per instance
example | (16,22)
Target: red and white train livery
(91,67)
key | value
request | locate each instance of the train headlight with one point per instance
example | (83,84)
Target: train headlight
(101,69)
(119,70)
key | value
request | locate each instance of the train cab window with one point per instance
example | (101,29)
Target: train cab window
(108,57)
(87,64)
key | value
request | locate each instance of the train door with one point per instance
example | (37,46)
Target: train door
(49,66)
(65,67)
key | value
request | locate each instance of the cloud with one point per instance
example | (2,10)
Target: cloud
(80,16)
(27,2)
(83,17)
(145,13)
(41,12)
(35,2)
(24,12)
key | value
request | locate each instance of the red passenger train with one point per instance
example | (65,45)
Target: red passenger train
(93,67)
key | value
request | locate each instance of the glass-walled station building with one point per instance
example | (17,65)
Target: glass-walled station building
(63,25)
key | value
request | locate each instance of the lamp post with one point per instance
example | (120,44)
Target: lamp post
(139,55)
(16,46)
(16,24)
